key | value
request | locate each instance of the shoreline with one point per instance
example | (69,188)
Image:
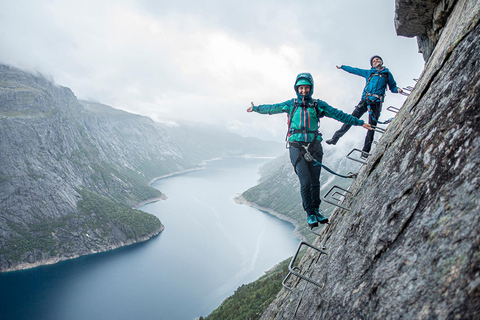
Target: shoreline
(53,260)
(163,196)
(200,167)
(168,175)
(239,199)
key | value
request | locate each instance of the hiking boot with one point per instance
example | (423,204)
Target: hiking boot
(364,155)
(331,141)
(320,217)
(312,221)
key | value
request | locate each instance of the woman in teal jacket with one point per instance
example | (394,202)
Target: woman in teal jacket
(377,78)
(304,139)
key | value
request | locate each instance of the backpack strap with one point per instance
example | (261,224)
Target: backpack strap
(320,114)
(293,131)
(385,75)
(290,117)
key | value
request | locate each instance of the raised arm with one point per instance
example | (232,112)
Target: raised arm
(250,109)
(356,71)
(271,108)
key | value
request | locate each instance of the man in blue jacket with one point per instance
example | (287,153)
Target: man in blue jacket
(377,79)
(304,113)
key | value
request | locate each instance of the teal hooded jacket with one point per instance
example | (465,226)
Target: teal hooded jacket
(305,120)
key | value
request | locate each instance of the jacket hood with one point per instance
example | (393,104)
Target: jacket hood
(308,77)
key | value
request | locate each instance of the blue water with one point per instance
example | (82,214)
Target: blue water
(210,246)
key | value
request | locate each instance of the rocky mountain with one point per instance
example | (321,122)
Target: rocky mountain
(71,171)
(409,245)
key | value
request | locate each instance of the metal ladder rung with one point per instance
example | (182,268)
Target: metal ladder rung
(355,159)
(286,279)
(337,193)
(293,270)
(393,109)
(345,191)
(379,129)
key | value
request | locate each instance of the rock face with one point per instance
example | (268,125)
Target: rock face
(70,171)
(426,20)
(410,245)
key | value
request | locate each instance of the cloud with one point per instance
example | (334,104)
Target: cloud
(205,60)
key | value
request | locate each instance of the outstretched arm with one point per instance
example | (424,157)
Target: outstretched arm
(271,108)
(250,109)
(356,71)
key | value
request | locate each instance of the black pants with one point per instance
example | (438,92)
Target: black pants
(360,109)
(308,174)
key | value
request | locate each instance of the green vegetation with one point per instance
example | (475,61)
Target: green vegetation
(103,212)
(250,300)
(96,213)
(37,237)
(115,180)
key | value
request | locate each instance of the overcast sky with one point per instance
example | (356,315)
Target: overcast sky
(206,60)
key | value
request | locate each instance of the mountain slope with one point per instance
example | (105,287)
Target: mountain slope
(70,171)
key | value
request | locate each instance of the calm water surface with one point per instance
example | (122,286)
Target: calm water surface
(209,247)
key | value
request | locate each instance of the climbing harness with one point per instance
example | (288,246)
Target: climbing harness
(379,97)
(309,158)
(376,96)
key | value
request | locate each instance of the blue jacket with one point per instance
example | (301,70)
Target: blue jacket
(305,120)
(377,84)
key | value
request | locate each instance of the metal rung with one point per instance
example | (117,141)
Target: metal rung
(338,200)
(409,88)
(416,80)
(393,109)
(378,129)
(293,269)
(337,193)
(354,159)
(286,279)
(404,93)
